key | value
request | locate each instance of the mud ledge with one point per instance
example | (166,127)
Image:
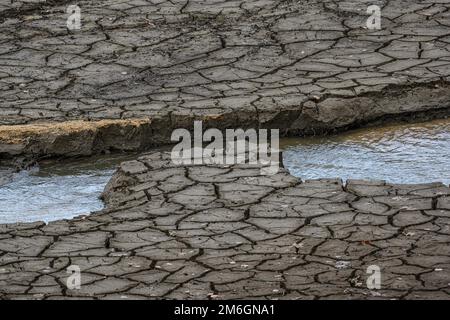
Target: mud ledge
(329,115)
(214,232)
(73,138)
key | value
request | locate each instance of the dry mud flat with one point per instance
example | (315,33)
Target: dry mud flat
(301,66)
(136,70)
(214,232)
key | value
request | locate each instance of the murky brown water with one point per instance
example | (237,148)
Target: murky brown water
(398,153)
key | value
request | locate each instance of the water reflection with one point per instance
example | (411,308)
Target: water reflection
(399,153)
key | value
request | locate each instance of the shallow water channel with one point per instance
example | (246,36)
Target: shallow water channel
(57,190)
(398,153)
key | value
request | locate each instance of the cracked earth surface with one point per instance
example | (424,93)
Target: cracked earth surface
(142,68)
(301,66)
(215,232)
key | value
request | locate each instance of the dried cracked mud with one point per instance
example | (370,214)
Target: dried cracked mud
(214,232)
(302,66)
(138,69)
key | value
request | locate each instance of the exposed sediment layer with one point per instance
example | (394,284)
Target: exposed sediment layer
(215,232)
(80,137)
(74,138)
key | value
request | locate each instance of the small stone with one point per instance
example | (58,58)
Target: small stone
(119,254)
(342,264)
(375,293)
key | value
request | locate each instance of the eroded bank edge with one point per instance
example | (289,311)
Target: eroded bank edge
(328,114)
